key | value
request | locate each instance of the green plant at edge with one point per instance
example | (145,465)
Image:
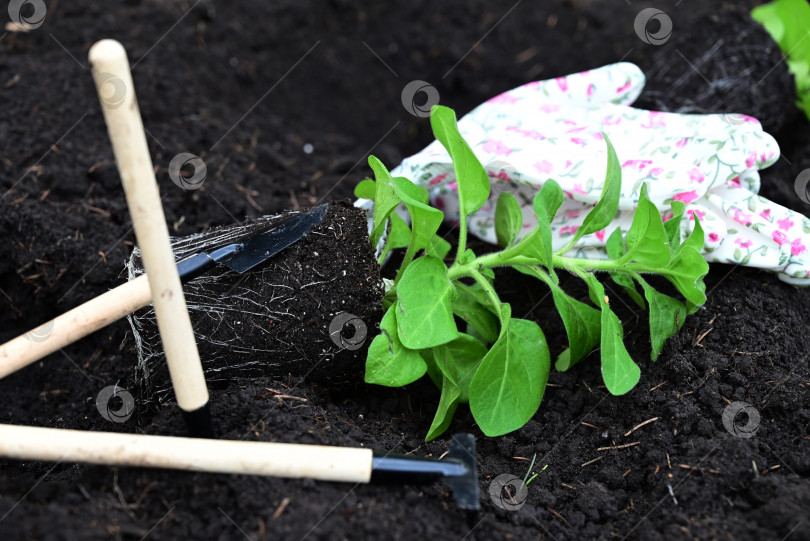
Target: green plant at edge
(497,363)
(787,23)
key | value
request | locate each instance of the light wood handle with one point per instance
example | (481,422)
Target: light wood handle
(74,325)
(320,462)
(116,92)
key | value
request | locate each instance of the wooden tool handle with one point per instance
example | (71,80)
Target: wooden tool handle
(74,325)
(349,464)
(117,95)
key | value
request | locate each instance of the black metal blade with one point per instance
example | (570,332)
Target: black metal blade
(459,468)
(465,487)
(262,247)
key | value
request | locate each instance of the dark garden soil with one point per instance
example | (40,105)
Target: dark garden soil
(248,86)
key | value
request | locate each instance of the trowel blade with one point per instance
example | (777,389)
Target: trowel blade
(264,246)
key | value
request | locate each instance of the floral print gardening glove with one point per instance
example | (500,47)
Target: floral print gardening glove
(553,129)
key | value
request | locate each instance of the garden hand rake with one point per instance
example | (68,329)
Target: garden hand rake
(324,463)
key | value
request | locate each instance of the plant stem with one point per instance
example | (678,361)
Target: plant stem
(502,259)
(569,263)
(462,235)
(486,286)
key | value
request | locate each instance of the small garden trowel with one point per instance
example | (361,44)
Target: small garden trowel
(248,253)
(240,256)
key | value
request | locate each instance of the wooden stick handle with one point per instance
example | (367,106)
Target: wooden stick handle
(348,464)
(116,92)
(74,325)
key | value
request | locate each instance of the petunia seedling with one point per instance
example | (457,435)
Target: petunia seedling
(445,318)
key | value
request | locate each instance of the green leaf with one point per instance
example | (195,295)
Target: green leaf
(472,179)
(673,225)
(533,245)
(582,324)
(647,239)
(549,200)
(619,372)
(629,287)
(432,370)
(509,384)
(605,210)
(616,250)
(786,22)
(666,317)
(459,360)
(537,243)
(385,199)
(508,219)
(696,238)
(546,203)
(476,292)
(399,235)
(438,247)
(466,257)
(448,403)
(366,189)
(424,304)
(425,220)
(688,267)
(390,363)
(615,244)
(685,272)
(477,315)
